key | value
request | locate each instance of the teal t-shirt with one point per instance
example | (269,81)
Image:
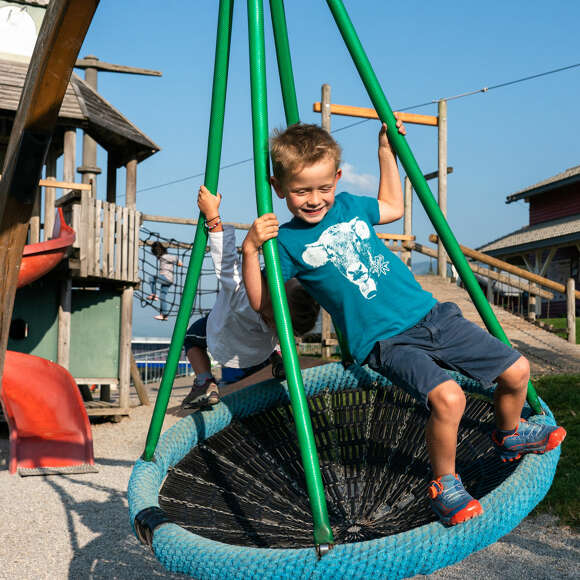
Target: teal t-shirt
(366,288)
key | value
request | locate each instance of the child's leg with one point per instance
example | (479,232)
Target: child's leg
(200,362)
(514,436)
(153,284)
(205,390)
(447,403)
(163,289)
(510,394)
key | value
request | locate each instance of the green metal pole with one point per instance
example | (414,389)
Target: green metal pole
(214,147)
(322,530)
(415,174)
(284,62)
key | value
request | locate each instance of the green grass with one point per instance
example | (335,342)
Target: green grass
(562,394)
(561,327)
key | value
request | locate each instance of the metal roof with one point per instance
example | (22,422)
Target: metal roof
(82,107)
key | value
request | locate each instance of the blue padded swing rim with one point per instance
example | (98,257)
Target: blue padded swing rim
(419,551)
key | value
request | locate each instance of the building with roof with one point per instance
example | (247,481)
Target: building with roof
(79,314)
(550,244)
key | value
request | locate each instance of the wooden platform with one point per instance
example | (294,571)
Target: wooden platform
(547,352)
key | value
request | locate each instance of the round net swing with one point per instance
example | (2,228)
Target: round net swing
(225,495)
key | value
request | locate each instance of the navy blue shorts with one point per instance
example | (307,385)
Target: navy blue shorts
(196,336)
(416,358)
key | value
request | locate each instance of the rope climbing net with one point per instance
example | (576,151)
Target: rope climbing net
(208,286)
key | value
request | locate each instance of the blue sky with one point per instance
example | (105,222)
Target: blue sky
(499,142)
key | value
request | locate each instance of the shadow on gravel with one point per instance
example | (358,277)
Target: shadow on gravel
(114,552)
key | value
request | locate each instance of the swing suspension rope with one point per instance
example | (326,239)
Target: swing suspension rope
(323,537)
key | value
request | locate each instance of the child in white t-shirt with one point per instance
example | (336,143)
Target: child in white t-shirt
(239,338)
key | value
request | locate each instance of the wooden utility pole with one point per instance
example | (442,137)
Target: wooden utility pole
(61,35)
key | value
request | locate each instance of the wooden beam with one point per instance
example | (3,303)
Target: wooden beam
(94,62)
(187,221)
(532,289)
(367,113)
(61,35)
(404,237)
(62,184)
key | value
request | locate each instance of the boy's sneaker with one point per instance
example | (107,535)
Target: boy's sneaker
(451,502)
(528,438)
(200,396)
(278,371)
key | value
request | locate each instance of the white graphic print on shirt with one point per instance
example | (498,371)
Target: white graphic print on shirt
(347,246)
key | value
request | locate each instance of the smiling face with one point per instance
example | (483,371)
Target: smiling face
(309,193)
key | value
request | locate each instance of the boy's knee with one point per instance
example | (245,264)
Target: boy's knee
(447,399)
(517,376)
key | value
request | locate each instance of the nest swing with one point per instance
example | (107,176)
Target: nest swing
(225,496)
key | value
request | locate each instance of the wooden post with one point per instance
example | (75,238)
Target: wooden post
(138,383)
(442,182)
(489,290)
(49,195)
(131,184)
(127,299)
(111,179)
(69,155)
(326,321)
(89,169)
(125,346)
(64,316)
(571,309)
(537,269)
(531,306)
(34,229)
(408,219)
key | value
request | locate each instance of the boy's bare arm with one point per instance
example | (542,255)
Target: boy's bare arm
(264,228)
(390,194)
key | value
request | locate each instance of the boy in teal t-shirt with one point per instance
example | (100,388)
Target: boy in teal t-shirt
(389,321)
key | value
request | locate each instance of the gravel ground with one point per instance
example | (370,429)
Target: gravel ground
(77,526)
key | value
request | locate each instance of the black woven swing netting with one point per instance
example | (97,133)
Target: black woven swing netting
(245,485)
(207,288)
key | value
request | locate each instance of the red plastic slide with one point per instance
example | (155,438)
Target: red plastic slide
(38,259)
(49,427)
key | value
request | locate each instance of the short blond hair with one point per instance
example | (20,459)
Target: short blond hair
(300,146)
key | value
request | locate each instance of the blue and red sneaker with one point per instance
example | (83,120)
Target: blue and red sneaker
(451,502)
(527,438)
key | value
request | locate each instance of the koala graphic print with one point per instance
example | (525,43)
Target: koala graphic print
(347,246)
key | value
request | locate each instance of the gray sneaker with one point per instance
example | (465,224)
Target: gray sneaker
(202,396)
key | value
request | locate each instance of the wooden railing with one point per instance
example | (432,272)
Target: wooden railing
(536,285)
(107,237)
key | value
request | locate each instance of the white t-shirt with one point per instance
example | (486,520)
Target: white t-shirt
(166,263)
(237,336)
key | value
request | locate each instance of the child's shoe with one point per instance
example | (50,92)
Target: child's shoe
(161,317)
(152,297)
(528,438)
(200,396)
(278,371)
(451,502)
